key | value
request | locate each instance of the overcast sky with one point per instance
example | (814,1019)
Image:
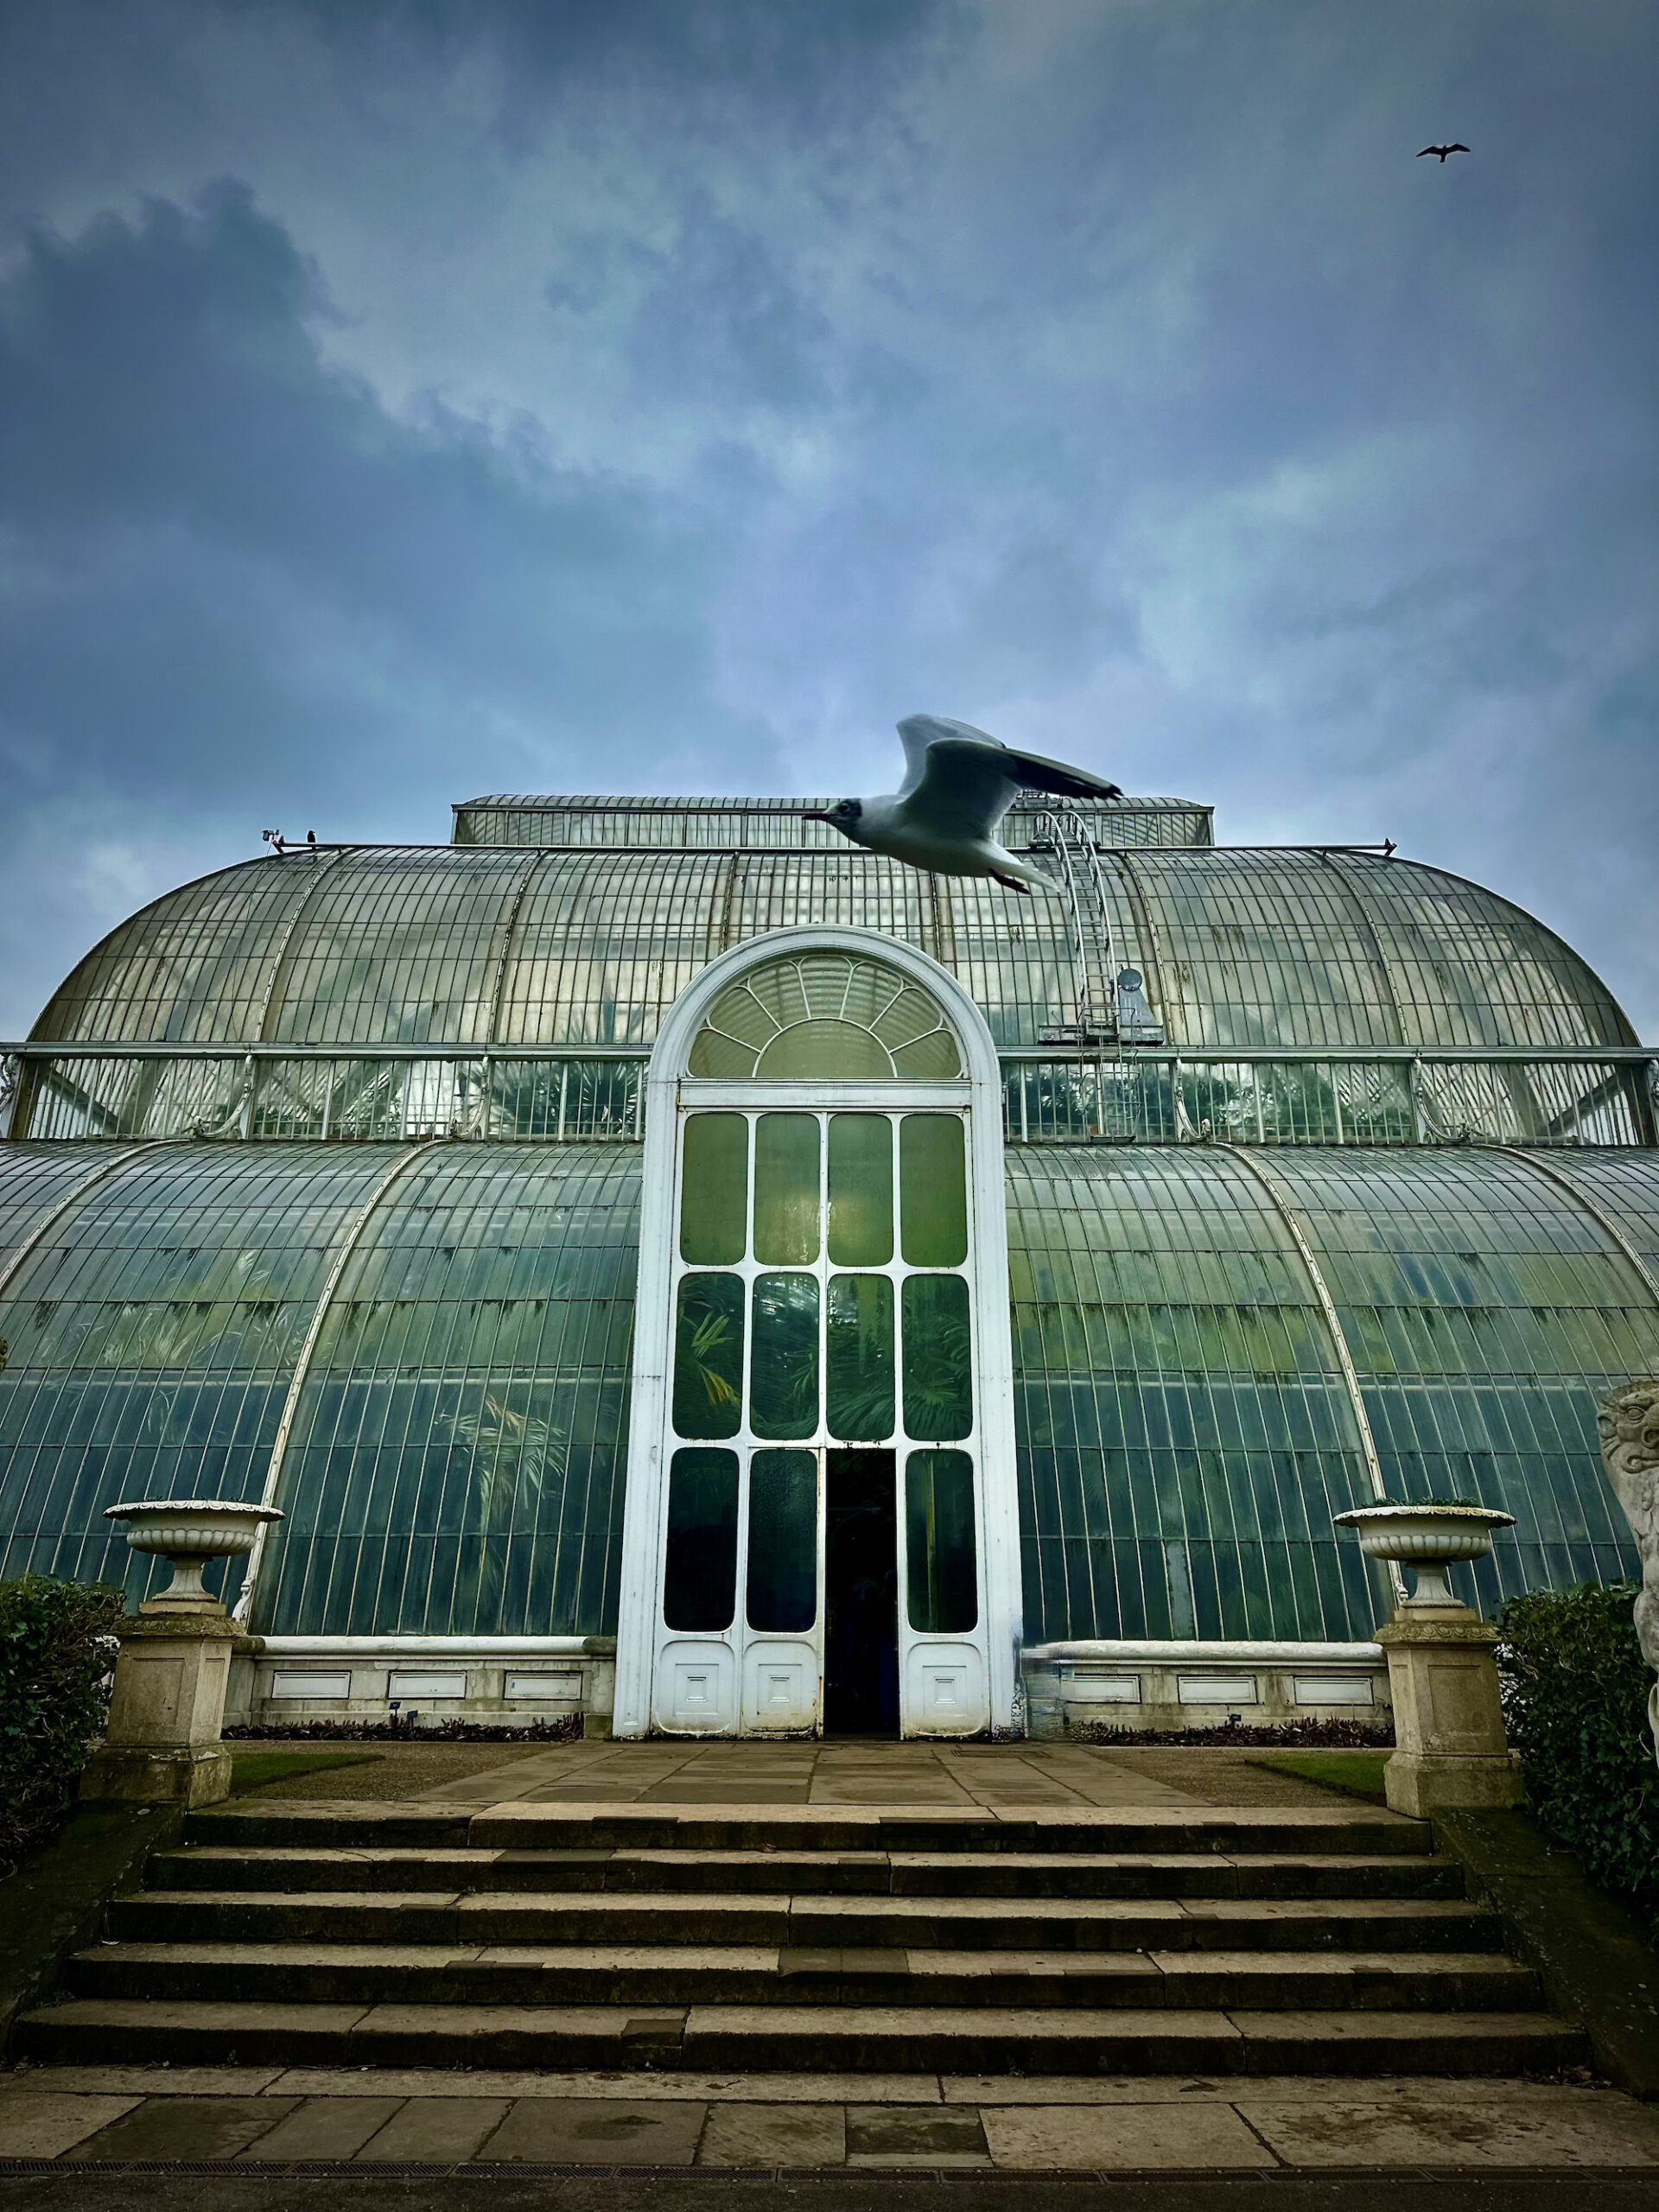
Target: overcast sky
(399,403)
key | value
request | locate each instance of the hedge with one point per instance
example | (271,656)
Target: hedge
(1575,1699)
(56,1651)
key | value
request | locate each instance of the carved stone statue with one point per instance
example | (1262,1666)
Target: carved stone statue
(1629,1423)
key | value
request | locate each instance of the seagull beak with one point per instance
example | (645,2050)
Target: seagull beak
(816,814)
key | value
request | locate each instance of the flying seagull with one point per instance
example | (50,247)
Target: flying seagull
(1443,151)
(958,784)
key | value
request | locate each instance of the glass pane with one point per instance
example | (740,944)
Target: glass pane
(700,1570)
(783,1590)
(939,1553)
(826,1048)
(786,1190)
(714,1189)
(784,1372)
(933,1193)
(861,1190)
(938,1380)
(859,1358)
(708,1356)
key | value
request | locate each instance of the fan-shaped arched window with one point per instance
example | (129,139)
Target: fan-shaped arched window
(825,1014)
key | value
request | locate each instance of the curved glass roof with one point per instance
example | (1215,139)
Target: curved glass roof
(1186,1431)
(460,946)
(456,1457)
(456,1460)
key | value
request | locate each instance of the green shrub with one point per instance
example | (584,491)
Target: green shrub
(57,1650)
(1575,1699)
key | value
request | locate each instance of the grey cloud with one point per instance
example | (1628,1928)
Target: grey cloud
(697,388)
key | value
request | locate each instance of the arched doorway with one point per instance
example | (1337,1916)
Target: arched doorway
(820,1530)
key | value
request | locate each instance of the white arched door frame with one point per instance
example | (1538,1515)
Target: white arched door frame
(670,1091)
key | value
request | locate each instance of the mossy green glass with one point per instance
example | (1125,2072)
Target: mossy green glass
(708,1356)
(938,1361)
(932,1191)
(787,1205)
(784,1366)
(782,1593)
(858,1359)
(715,1189)
(861,1190)
(941,1583)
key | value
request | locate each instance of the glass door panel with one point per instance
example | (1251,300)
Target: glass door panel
(859,1359)
(940,1550)
(787,1195)
(784,1364)
(861,1190)
(782,1597)
(715,1189)
(939,1362)
(700,1567)
(708,1356)
(932,1191)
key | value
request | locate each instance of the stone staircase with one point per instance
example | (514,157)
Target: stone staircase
(805,1939)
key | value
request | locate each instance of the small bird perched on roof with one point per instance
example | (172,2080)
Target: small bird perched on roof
(1443,151)
(958,784)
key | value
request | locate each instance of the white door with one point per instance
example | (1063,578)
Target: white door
(821,1531)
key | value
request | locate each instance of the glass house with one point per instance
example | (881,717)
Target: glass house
(668,1263)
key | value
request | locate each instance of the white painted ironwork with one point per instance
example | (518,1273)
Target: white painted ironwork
(695,1683)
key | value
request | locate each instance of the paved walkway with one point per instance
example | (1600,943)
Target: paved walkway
(846,1770)
(256,2116)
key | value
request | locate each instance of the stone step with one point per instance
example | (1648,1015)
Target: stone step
(1270,1829)
(642,1975)
(1004,1923)
(299,1867)
(797,2039)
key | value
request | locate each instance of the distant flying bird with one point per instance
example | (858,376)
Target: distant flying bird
(958,784)
(1443,151)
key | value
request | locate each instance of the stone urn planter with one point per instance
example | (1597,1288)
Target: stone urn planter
(1448,1718)
(161,1746)
(1428,1538)
(189,1532)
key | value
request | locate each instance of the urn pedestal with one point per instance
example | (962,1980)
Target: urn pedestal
(1452,1753)
(161,1744)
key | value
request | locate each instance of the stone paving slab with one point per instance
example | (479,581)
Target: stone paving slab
(1136,2137)
(806,2122)
(326,2127)
(595,2132)
(774,2135)
(185,2128)
(436,2129)
(45,2123)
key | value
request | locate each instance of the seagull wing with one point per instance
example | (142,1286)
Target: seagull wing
(1034,772)
(967,787)
(916,743)
(1458,149)
(1428,149)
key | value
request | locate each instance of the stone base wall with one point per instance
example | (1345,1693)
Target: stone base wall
(1164,1685)
(507,1684)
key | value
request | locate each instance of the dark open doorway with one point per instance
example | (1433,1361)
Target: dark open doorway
(861,1658)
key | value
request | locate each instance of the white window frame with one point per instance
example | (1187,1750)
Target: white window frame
(670,1094)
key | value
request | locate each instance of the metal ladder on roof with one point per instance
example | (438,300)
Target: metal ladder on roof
(1062,831)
